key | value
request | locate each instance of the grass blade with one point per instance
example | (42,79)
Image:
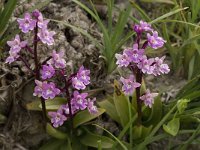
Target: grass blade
(6,14)
(168,14)
(123,146)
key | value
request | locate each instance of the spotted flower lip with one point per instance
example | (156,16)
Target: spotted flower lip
(27,23)
(81,79)
(79,100)
(91,107)
(83,75)
(45,90)
(57,118)
(129,85)
(122,60)
(160,67)
(148,98)
(146,65)
(78,84)
(15,47)
(47,72)
(155,41)
(46,36)
(134,54)
(57,60)
(142,26)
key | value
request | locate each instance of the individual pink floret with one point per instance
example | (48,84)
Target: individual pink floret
(41,22)
(134,54)
(45,90)
(79,100)
(57,118)
(148,98)
(143,26)
(46,36)
(84,75)
(91,107)
(47,72)
(27,23)
(122,60)
(155,41)
(145,65)
(78,84)
(57,60)
(160,67)
(129,85)
(15,47)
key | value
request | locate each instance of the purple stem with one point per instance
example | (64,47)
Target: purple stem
(145,45)
(138,39)
(37,70)
(44,62)
(139,104)
(138,74)
(67,84)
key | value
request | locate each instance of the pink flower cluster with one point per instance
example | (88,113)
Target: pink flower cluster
(148,98)
(129,85)
(79,103)
(79,81)
(26,24)
(15,47)
(42,88)
(136,59)
(82,79)
(45,90)
(31,21)
(54,66)
(153,39)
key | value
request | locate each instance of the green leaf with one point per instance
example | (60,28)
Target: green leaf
(121,105)
(189,88)
(156,113)
(142,12)
(172,127)
(77,145)
(123,146)
(6,14)
(34,105)
(54,104)
(159,1)
(84,116)
(55,132)
(90,139)
(110,109)
(168,14)
(140,132)
(51,104)
(55,144)
(191,40)
(182,105)
(156,128)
